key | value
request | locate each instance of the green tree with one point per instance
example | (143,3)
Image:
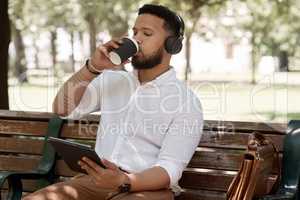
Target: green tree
(265,23)
(49,17)
(59,14)
(110,15)
(192,11)
(294,29)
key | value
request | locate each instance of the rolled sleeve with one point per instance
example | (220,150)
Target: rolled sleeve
(173,168)
(180,143)
(90,100)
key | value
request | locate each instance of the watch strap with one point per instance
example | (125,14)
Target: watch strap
(89,67)
(124,187)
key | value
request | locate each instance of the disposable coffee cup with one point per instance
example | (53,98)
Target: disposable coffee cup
(127,49)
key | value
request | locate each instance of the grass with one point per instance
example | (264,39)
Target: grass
(221,101)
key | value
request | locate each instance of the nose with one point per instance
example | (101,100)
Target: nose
(138,39)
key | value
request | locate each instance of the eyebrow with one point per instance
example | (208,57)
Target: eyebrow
(143,28)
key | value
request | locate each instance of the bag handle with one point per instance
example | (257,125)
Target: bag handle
(260,139)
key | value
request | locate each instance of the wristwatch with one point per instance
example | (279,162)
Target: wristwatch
(89,67)
(125,187)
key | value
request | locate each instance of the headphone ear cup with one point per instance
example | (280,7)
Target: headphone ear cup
(173,45)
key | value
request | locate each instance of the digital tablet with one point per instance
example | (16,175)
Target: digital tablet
(72,152)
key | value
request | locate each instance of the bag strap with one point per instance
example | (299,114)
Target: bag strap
(276,184)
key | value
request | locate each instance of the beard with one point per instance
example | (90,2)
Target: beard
(149,61)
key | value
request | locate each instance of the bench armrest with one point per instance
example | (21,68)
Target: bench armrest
(44,171)
(15,187)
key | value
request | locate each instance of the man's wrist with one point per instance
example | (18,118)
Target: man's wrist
(88,65)
(125,184)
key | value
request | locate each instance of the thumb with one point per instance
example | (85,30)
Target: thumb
(109,164)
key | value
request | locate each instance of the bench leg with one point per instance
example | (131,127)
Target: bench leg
(15,188)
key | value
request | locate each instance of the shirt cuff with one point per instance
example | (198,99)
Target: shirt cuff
(74,115)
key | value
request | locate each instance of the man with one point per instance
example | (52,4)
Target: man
(150,122)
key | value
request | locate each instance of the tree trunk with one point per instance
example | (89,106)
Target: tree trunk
(92,30)
(72,51)
(81,43)
(254,59)
(54,51)
(4,44)
(53,47)
(188,56)
(20,61)
(36,55)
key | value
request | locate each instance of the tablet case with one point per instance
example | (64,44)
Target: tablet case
(72,152)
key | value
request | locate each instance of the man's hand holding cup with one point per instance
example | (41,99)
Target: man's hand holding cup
(113,53)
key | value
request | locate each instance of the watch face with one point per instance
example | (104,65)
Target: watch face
(124,187)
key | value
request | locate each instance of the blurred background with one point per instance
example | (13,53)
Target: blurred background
(241,57)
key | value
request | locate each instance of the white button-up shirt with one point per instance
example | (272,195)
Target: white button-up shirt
(158,123)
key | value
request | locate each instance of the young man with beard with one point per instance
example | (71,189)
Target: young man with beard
(150,122)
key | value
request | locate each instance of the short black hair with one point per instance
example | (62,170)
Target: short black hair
(172,23)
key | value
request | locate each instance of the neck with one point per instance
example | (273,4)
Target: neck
(146,75)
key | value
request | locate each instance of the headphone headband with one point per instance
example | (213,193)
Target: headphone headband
(181,25)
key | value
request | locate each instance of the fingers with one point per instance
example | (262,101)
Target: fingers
(109,164)
(109,46)
(88,169)
(103,50)
(113,44)
(101,56)
(90,166)
(119,41)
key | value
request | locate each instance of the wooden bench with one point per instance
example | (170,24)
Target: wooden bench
(207,177)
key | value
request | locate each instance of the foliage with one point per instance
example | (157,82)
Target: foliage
(273,24)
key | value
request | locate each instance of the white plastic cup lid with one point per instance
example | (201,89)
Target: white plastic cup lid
(114,58)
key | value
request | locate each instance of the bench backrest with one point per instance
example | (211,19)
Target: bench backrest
(208,175)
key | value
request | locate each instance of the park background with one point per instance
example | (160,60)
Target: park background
(241,57)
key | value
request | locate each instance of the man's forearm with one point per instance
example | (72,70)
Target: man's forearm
(154,178)
(71,92)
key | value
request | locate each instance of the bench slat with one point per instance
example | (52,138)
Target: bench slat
(238,126)
(37,128)
(208,125)
(21,145)
(88,131)
(15,163)
(207,160)
(221,159)
(211,179)
(32,128)
(36,116)
(189,194)
(234,140)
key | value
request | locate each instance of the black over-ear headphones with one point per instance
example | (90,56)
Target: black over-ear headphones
(173,44)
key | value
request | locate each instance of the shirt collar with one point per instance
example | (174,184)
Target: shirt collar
(163,78)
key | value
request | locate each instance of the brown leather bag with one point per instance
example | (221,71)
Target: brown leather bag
(251,179)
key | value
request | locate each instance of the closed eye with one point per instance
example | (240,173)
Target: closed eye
(147,34)
(146,31)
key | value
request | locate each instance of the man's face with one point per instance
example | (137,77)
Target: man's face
(150,33)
